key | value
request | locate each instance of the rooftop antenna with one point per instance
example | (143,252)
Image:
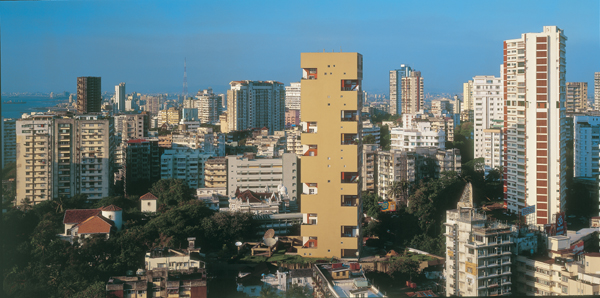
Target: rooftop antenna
(185,89)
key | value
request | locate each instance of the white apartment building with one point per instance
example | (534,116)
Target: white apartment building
(467,106)
(423,136)
(260,174)
(256,104)
(488,113)
(269,145)
(185,164)
(9,141)
(120,97)
(586,143)
(597,91)
(396,89)
(203,138)
(209,106)
(492,146)
(369,129)
(577,101)
(292,96)
(535,159)
(64,157)
(131,126)
(478,256)
(293,142)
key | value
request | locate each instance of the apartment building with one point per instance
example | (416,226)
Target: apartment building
(492,146)
(443,123)
(413,96)
(9,141)
(407,139)
(142,165)
(120,97)
(396,89)
(369,129)
(597,91)
(478,257)
(170,117)
(215,172)
(293,142)
(488,104)
(89,97)
(411,166)
(184,164)
(269,145)
(131,126)
(560,272)
(64,157)
(577,93)
(292,118)
(292,96)
(534,130)
(331,208)
(209,105)
(586,143)
(343,280)
(369,168)
(261,174)
(466,113)
(203,138)
(255,104)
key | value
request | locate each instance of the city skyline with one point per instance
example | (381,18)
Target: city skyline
(47,45)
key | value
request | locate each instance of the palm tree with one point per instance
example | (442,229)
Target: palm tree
(398,191)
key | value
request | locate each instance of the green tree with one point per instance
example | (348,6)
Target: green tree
(171,192)
(398,190)
(404,268)
(371,204)
(385,137)
(268,292)
(297,291)
(369,139)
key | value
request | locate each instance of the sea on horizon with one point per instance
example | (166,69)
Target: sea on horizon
(33,104)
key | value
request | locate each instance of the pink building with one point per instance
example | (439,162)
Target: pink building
(292,117)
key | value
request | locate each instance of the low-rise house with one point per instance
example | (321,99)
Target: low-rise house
(343,280)
(83,223)
(262,202)
(175,259)
(148,202)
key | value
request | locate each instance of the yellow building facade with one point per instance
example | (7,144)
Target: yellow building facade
(331,100)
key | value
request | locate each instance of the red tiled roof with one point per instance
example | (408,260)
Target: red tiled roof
(252,197)
(75,216)
(111,208)
(95,224)
(136,141)
(148,196)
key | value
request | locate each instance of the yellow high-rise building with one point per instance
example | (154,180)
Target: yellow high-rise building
(331,100)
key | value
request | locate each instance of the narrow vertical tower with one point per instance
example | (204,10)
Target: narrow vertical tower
(184,93)
(331,100)
(534,123)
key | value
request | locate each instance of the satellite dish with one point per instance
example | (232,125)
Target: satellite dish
(238,244)
(270,233)
(270,242)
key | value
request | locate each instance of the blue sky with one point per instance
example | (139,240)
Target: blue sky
(46,45)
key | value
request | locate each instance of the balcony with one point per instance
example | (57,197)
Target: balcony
(350,85)
(309,150)
(349,231)
(349,139)
(350,200)
(309,73)
(349,115)
(349,177)
(309,127)
(309,188)
(311,242)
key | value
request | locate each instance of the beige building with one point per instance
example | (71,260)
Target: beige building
(577,93)
(331,85)
(466,113)
(215,172)
(171,117)
(262,174)
(64,157)
(478,257)
(413,97)
(535,147)
(557,273)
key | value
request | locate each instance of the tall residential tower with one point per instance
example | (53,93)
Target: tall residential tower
(396,76)
(534,123)
(89,97)
(331,105)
